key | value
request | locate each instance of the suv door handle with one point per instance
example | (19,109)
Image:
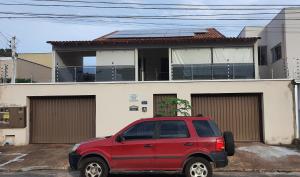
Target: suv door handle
(189,144)
(148,145)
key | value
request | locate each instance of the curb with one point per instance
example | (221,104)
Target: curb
(258,170)
(45,168)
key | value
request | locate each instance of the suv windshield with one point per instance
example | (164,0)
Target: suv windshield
(206,128)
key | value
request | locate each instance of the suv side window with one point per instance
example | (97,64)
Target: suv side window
(206,128)
(173,129)
(143,130)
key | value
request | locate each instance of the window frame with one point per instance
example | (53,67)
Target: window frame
(275,57)
(159,125)
(153,137)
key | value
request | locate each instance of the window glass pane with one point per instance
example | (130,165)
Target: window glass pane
(182,72)
(201,72)
(173,129)
(85,74)
(192,72)
(125,73)
(206,128)
(222,71)
(143,130)
(104,73)
(115,73)
(243,71)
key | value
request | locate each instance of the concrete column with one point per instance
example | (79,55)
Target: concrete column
(136,64)
(170,64)
(255,58)
(53,65)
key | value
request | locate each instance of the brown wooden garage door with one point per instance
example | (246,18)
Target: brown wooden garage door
(239,113)
(62,119)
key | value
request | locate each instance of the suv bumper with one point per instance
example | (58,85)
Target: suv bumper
(73,160)
(219,159)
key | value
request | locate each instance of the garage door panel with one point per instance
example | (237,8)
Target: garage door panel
(62,119)
(239,113)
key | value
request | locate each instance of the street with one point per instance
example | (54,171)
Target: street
(44,173)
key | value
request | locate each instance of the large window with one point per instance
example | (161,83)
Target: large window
(262,55)
(213,63)
(144,130)
(276,53)
(115,65)
(173,129)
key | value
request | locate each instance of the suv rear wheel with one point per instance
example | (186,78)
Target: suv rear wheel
(93,167)
(198,167)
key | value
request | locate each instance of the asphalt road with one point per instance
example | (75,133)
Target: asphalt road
(75,174)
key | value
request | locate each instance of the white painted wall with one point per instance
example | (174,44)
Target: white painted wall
(112,102)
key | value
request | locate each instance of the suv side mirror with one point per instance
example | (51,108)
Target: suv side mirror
(120,138)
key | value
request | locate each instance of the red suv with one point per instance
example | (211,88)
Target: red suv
(181,144)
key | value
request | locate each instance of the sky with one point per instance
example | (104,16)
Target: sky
(32,33)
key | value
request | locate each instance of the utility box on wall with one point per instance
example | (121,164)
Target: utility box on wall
(12,117)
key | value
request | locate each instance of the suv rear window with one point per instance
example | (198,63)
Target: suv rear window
(173,129)
(206,128)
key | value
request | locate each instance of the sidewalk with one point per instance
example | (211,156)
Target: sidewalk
(248,157)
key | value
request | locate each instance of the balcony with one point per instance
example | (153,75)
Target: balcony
(213,71)
(95,73)
(179,72)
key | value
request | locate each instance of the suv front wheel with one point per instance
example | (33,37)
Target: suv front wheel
(93,167)
(198,167)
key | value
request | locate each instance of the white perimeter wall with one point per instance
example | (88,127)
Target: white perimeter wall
(112,102)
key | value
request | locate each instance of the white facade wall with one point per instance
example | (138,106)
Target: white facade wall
(112,102)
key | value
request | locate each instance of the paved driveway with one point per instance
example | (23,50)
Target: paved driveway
(75,174)
(248,157)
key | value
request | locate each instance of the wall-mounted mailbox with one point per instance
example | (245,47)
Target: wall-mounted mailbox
(12,117)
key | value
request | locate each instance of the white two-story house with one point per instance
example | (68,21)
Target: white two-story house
(101,85)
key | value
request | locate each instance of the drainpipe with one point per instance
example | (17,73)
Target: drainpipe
(296,110)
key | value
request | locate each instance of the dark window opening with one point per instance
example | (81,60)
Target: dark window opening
(262,55)
(276,53)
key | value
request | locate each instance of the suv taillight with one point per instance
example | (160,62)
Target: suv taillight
(220,144)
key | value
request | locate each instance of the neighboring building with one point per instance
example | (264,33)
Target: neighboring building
(279,54)
(133,72)
(44,59)
(26,71)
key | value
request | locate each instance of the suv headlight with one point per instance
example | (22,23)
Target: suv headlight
(75,147)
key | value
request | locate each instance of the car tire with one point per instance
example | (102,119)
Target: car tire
(198,166)
(93,166)
(229,143)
